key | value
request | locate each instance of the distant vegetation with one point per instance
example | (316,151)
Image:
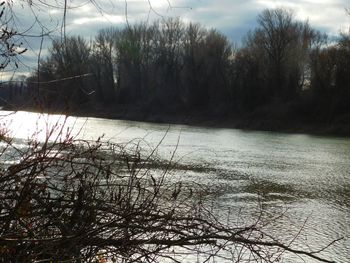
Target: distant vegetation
(284,71)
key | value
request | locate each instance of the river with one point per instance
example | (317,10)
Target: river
(306,176)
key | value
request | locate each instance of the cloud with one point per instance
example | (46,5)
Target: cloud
(238,16)
(232,17)
(328,15)
(225,15)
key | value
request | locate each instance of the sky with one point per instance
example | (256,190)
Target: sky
(234,18)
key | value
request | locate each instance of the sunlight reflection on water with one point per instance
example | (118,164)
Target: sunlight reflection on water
(309,176)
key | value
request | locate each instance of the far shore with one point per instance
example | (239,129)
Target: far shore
(205,119)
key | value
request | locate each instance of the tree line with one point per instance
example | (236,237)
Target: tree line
(283,69)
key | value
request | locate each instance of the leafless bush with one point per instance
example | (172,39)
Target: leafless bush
(72,200)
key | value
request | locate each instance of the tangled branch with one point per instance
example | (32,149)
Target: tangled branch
(67,199)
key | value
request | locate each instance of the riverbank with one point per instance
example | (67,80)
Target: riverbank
(260,120)
(264,119)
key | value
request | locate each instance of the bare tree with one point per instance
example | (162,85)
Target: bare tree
(65,76)
(104,58)
(286,44)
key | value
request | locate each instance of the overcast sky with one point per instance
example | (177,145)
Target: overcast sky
(232,17)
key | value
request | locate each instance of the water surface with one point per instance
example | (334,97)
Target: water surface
(305,176)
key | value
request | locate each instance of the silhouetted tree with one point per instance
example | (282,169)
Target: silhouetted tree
(129,46)
(63,74)
(196,93)
(104,60)
(168,61)
(217,55)
(284,46)
(207,55)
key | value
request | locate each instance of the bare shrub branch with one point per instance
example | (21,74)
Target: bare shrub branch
(67,199)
